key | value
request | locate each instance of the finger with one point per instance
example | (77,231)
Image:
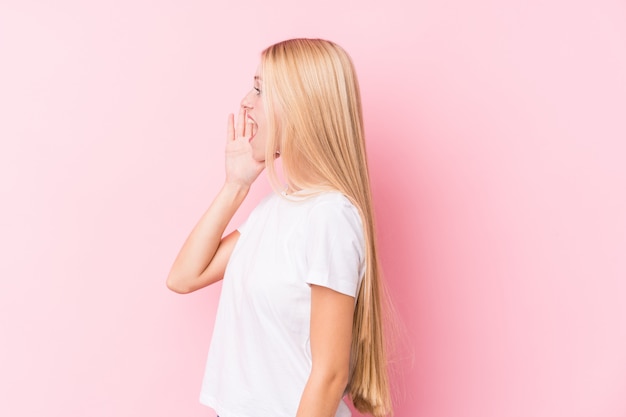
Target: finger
(230,128)
(241,117)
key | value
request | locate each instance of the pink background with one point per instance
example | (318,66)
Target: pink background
(496,135)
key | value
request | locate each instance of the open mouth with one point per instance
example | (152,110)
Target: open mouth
(254,127)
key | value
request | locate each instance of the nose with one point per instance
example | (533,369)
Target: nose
(247,102)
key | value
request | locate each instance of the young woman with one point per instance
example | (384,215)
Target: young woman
(299,319)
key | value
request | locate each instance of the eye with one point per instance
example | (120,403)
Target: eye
(258,91)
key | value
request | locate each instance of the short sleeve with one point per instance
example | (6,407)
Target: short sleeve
(334,246)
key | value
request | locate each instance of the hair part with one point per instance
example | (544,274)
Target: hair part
(312,99)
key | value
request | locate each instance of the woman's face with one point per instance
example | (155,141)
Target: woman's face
(255,118)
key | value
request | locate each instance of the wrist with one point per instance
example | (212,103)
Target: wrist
(236,188)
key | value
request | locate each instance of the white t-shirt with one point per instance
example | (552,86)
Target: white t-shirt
(260,357)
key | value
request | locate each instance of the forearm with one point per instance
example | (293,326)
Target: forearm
(322,394)
(203,242)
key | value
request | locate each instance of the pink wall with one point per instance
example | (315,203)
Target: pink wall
(497,143)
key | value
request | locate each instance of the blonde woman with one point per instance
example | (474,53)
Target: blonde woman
(298,325)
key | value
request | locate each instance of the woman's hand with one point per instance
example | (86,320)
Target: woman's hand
(241,167)
(202,259)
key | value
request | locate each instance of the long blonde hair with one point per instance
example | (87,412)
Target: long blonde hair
(312,99)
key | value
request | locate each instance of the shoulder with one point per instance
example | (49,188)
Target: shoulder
(332,198)
(334,218)
(334,206)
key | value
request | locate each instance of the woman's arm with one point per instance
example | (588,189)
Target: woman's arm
(202,259)
(331,337)
(204,255)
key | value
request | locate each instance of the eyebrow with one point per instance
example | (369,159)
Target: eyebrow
(256,77)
